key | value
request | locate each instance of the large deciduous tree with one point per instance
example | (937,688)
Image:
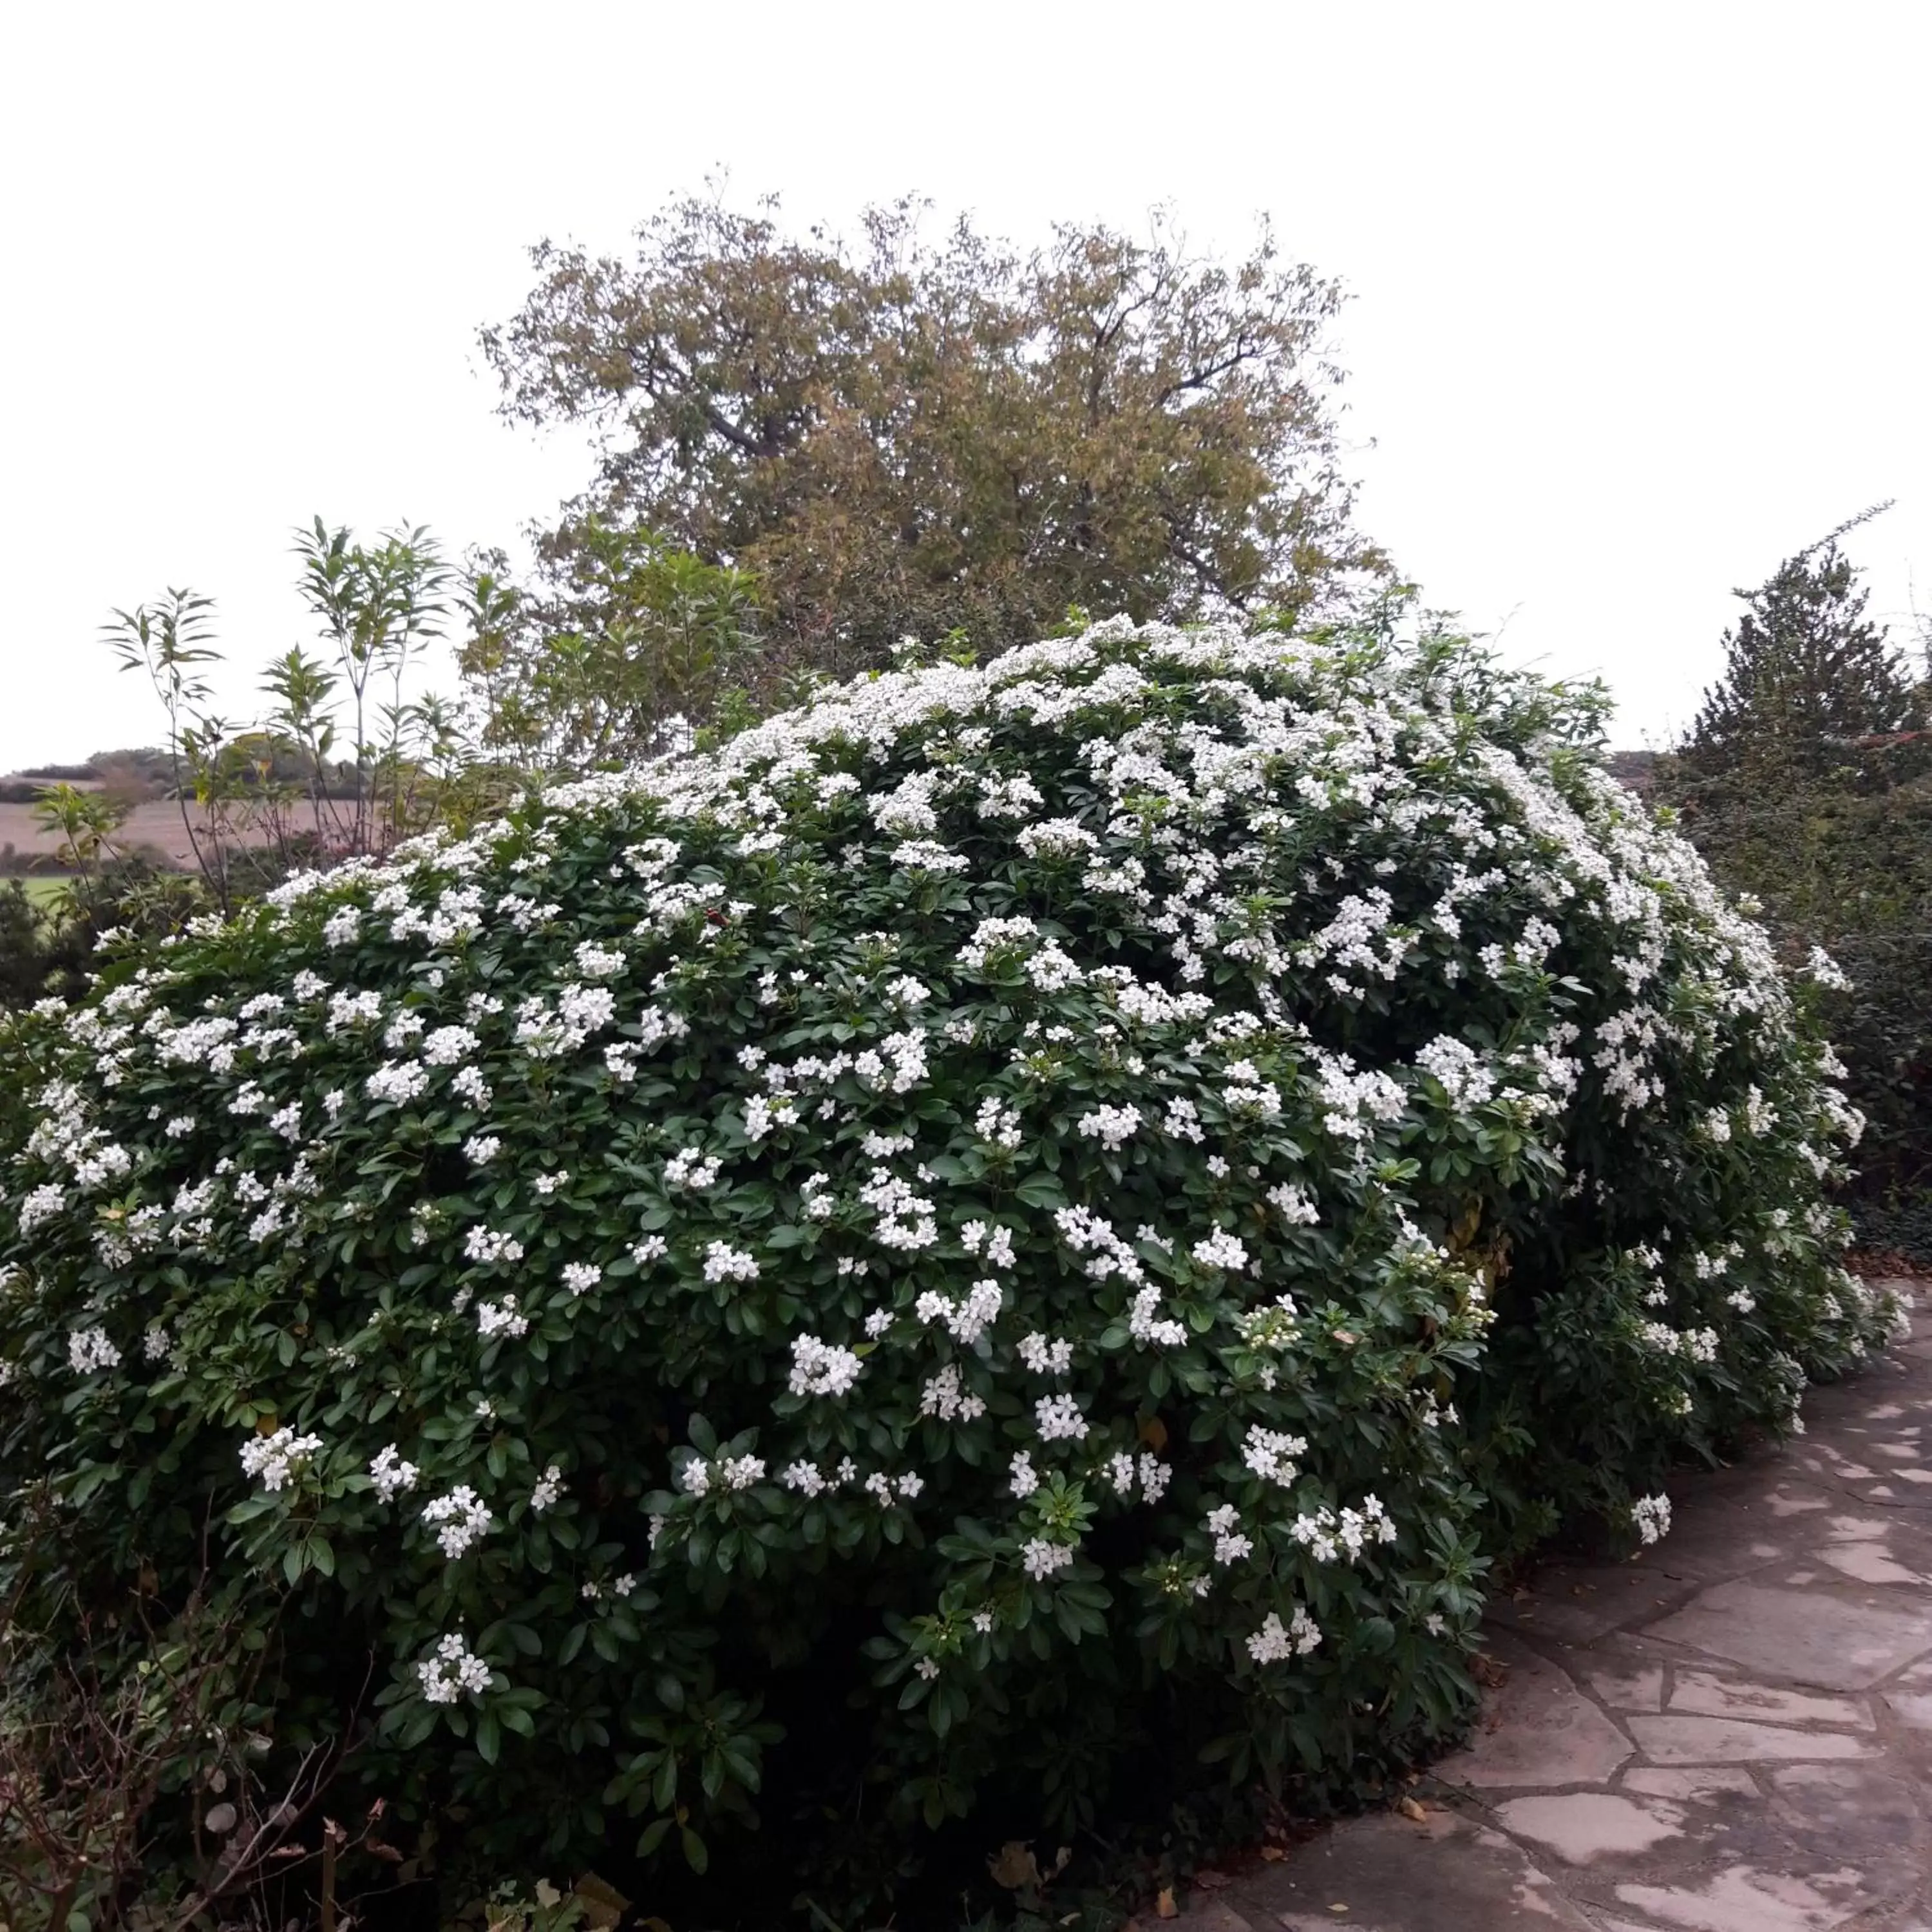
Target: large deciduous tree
(942,434)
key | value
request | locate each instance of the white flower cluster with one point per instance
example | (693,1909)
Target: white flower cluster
(1651,1516)
(276,1459)
(699,1478)
(454,1668)
(89,1349)
(389,1475)
(1328,1535)
(1272,1454)
(1113,1127)
(463,1517)
(820,1368)
(1276,1643)
(692,1168)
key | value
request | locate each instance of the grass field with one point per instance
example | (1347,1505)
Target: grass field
(41,889)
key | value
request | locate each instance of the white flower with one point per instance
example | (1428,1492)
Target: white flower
(1221,1250)
(501,1318)
(397,1081)
(803,1478)
(818,1368)
(1059,1418)
(723,1262)
(468,1084)
(1652,1517)
(1275,1643)
(1294,1206)
(1826,970)
(485,1244)
(580,1277)
(598,962)
(1111,1126)
(278,1458)
(450,1046)
(1143,1327)
(481,1149)
(1055,839)
(1455,1065)
(1041,1559)
(1230,1544)
(1023,1480)
(945,1396)
(389,1475)
(451,1670)
(89,1348)
(41,1204)
(691,1169)
(550,1487)
(965,1320)
(464,1519)
(997,1123)
(1271,1454)
(1045,1357)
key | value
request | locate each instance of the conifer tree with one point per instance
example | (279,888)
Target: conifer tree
(1807,675)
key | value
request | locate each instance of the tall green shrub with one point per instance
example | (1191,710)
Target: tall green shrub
(1009,1220)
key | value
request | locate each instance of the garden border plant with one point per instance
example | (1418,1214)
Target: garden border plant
(1010,1218)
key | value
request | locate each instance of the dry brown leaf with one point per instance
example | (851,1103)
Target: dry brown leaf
(1154,1433)
(1410,1810)
(1212,1881)
(1164,1907)
(604,1905)
(1273,1854)
(1014,1866)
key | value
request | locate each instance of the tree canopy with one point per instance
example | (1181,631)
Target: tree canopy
(946,434)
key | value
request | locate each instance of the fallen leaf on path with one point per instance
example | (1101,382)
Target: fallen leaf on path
(1164,1907)
(1410,1809)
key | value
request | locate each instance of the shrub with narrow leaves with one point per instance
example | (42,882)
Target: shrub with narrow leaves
(1009,1218)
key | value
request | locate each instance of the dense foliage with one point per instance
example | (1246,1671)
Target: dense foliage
(940,432)
(1011,1222)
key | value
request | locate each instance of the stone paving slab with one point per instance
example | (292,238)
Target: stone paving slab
(1731,1734)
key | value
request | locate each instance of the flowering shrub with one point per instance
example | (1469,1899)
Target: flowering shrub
(1010,1215)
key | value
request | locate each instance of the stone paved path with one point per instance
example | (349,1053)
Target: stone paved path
(1731,1734)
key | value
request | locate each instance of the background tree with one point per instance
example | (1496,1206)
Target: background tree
(613,650)
(1807,782)
(946,436)
(1807,673)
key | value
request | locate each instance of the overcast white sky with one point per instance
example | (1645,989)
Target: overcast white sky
(1640,291)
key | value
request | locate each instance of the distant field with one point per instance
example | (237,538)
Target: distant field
(43,888)
(158,824)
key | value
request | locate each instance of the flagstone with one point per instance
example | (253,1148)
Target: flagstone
(1688,1740)
(1810,1637)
